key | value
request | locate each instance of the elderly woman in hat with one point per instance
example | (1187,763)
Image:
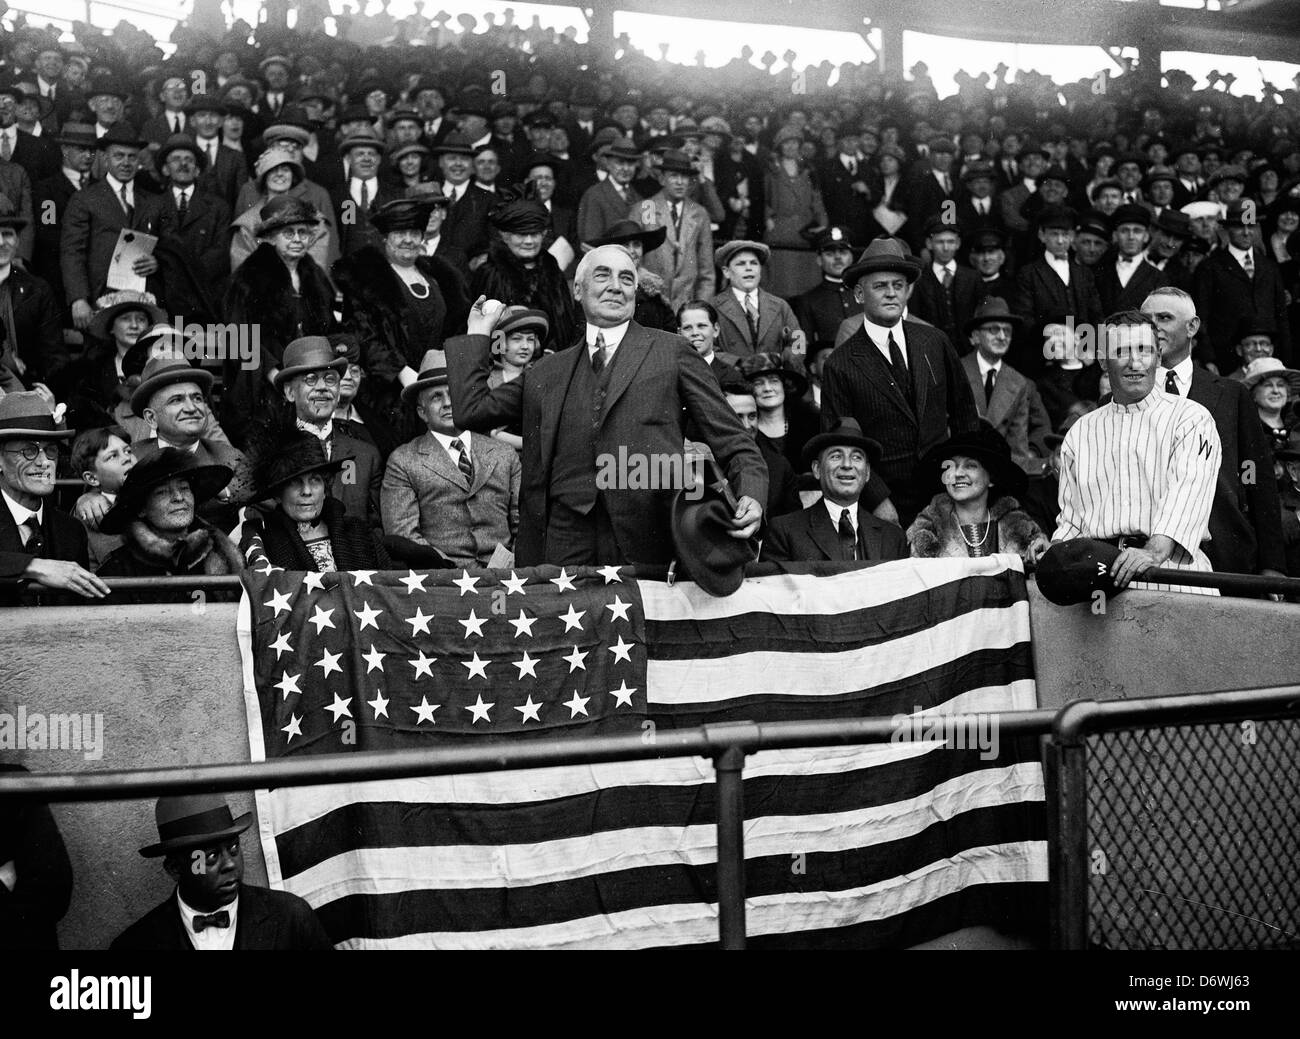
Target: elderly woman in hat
(162,535)
(399,301)
(281,293)
(304,527)
(518,272)
(276,173)
(785,420)
(1275,387)
(974,513)
(653,307)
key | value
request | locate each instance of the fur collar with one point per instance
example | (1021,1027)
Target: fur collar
(936,532)
(204,549)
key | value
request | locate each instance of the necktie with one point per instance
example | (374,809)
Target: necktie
(988,386)
(599,356)
(126,202)
(751,315)
(35,539)
(463,463)
(1249,264)
(1171,383)
(84,178)
(947,185)
(5,150)
(900,367)
(365,194)
(677,218)
(183,205)
(221,918)
(848,538)
(176,124)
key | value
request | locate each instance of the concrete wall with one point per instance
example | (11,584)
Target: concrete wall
(168,684)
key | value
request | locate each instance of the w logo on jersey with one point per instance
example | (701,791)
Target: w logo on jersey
(1204,448)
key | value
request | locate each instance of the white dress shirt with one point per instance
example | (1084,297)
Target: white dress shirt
(452,453)
(116,186)
(613,336)
(1182,375)
(10,133)
(210,939)
(741,295)
(1240,256)
(183,193)
(431,244)
(879,335)
(453,191)
(372,189)
(941,268)
(988,366)
(1061,267)
(1126,268)
(21,514)
(835,511)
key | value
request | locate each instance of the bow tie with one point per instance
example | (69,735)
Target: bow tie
(221,918)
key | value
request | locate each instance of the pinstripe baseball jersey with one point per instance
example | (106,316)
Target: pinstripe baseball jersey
(1146,468)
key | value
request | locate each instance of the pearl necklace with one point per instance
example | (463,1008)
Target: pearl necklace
(988,525)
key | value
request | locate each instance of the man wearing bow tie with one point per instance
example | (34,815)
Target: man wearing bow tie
(212,909)
(1125,278)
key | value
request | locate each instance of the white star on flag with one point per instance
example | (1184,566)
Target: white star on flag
(366,615)
(618,608)
(374,659)
(360,577)
(424,712)
(578,705)
(466,583)
(529,710)
(609,573)
(423,665)
(379,705)
(279,601)
(575,660)
(281,645)
(573,619)
(564,582)
(524,625)
(515,583)
(480,710)
(420,622)
(267,570)
(288,684)
(473,624)
(414,581)
(293,728)
(321,618)
(622,695)
(476,667)
(623,650)
(526,666)
(313,579)
(339,707)
(328,662)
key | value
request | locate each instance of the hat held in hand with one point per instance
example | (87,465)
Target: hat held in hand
(1072,572)
(701,525)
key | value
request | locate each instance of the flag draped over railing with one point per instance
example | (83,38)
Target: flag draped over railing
(870,845)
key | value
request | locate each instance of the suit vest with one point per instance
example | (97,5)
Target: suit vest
(573,469)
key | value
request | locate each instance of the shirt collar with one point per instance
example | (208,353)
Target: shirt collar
(987,366)
(1238,254)
(740,295)
(319,432)
(1183,373)
(21,513)
(613,336)
(940,268)
(192,449)
(188,913)
(117,185)
(879,334)
(1146,403)
(445,440)
(72,176)
(834,511)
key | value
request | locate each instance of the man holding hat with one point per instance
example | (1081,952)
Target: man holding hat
(38,543)
(1241,282)
(454,490)
(685,259)
(212,908)
(613,199)
(839,527)
(901,380)
(1125,279)
(98,214)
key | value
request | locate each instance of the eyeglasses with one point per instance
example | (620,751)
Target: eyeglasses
(30,451)
(330,378)
(305,233)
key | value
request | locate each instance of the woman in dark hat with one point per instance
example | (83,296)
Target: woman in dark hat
(277,172)
(407,166)
(397,300)
(653,307)
(282,294)
(161,532)
(785,420)
(305,528)
(974,513)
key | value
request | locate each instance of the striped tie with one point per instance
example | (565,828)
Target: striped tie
(463,463)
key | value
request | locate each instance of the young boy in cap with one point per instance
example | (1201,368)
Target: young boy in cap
(751,319)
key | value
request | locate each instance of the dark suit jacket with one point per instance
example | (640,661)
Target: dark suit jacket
(821,309)
(51,196)
(267,920)
(93,220)
(157,128)
(38,324)
(1115,297)
(808,536)
(226,176)
(925,198)
(65,538)
(1225,296)
(466,226)
(16,186)
(356,230)
(1040,294)
(927,302)
(969,221)
(774,316)
(844,206)
(194,255)
(858,383)
(360,491)
(657,384)
(39,156)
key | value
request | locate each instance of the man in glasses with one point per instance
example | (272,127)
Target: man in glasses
(38,543)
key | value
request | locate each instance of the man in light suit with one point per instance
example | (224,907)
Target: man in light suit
(95,217)
(622,397)
(839,526)
(685,260)
(900,379)
(750,319)
(450,488)
(607,202)
(1004,397)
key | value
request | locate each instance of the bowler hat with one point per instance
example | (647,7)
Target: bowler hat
(675,161)
(701,528)
(285,211)
(1241,213)
(108,86)
(1131,214)
(298,455)
(205,103)
(110,307)
(884,254)
(992,308)
(28,414)
(180,142)
(1072,571)
(724,253)
(987,446)
(848,433)
(1173,222)
(311,354)
(1056,217)
(433,372)
(402,214)
(154,470)
(625,231)
(165,369)
(193,821)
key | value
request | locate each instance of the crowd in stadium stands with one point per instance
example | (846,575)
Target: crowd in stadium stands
(332,290)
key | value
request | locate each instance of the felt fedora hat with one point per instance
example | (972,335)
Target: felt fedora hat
(119,134)
(1071,572)
(193,821)
(28,414)
(701,529)
(171,463)
(79,135)
(676,161)
(884,254)
(625,231)
(991,309)
(165,369)
(846,434)
(180,142)
(433,372)
(311,354)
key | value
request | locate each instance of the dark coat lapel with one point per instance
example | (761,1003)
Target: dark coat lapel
(918,361)
(824,536)
(628,358)
(879,372)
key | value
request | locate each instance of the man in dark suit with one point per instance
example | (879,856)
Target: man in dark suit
(466,225)
(1052,285)
(845,193)
(39,156)
(172,119)
(97,215)
(225,170)
(1245,518)
(194,235)
(1241,282)
(901,380)
(38,543)
(622,399)
(1005,398)
(50,198)
(928,190)
(947,292)
(978,210)
(821,309)
(212,909)
(362,194)
(1124,278)
(32,347)
(988,258)
(840,526)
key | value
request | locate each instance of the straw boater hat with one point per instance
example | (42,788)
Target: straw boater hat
(28,415)
(193,821)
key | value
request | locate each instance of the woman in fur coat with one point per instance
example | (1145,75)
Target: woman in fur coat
(975,513)
(162,534)
(282,294)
